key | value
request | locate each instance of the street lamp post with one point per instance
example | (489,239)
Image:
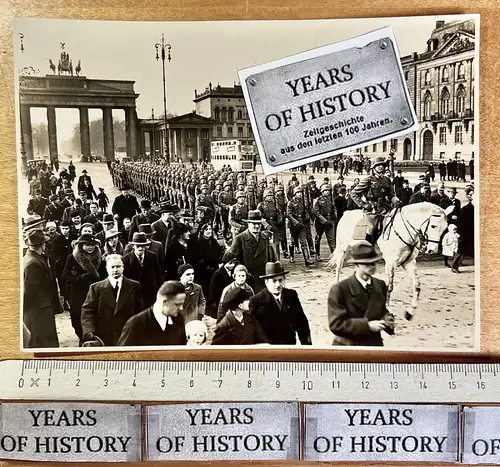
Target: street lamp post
(165,53)
(392,152)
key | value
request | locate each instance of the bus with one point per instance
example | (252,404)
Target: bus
(239,154)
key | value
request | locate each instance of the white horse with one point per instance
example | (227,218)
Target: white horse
(404,233)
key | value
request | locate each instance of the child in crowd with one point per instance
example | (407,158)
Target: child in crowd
(450,244)
(196,333)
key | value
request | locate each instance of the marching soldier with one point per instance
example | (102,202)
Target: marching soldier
(225,201)
(237,213)
(297,216)
(280,200)
(270,217)
(309,214)
(205,199)
(325,219)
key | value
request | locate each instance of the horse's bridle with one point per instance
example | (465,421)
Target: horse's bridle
(420,234)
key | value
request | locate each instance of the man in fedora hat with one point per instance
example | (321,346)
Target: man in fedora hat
(253,249)
(110,303)
(147,216)
(125,205)
(278,309)
(40,296)
(164,224)
(375,195)
(357,311)
(142,266)
(155,246)
(108,223)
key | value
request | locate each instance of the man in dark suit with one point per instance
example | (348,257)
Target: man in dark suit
(278,309)
(37,204)
(164,224)
(125,205)
(142,266)
(357,311)
(253,249)
(161,324)
(451,205)
(81,180)
(147,216)
(110,304)
(40,299)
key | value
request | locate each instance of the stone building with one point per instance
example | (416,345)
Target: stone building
(226,106)
(441,85)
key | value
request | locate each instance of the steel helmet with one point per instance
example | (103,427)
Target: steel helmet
(379,160)
(240,194)
(268,192)
(297,189)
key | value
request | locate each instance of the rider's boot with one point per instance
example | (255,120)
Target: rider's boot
(369,238)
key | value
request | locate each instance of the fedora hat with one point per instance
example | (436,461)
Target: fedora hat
(165,207)
(273,270)
(30,222)
(146,204)
(87,238)
(364,252)
(140,238)
(36,237)
(254,217)
(112,233)
(107,219)
(147,229)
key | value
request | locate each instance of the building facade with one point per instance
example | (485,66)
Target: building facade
(188,137)
(226,106)
(441,86)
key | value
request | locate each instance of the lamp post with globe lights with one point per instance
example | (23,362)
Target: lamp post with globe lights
(163,51)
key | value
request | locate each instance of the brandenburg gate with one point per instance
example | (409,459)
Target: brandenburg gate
(53,91)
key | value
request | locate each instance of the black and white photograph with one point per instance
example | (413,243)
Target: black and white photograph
(152,214)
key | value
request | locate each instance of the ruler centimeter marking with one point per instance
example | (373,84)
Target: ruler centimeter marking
(249,381)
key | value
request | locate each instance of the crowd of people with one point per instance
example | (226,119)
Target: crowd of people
(187,249)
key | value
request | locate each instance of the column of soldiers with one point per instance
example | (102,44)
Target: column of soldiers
(225,197)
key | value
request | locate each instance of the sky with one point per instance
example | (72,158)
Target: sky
(202,52)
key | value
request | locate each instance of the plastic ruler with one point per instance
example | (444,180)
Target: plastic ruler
(248,381)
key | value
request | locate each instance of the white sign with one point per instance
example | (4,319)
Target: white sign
(481,435)
(71,432)
(201,432)
(328,100)
(381,432)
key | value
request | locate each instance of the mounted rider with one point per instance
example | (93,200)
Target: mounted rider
(375,195)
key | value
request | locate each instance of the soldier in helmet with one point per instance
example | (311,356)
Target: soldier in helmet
(225,201)
(237,213)
(270,217)
(215,197)
(375,195)
(297,216)
(205,199)
(325,219)
(280,200)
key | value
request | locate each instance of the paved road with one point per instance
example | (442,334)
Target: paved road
(446,316)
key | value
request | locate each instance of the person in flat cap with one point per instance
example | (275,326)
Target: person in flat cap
(239,326)
(451,204)
(83,267)
(142,266)
(357,311)
(424,195)
(40,296)
(147,216)
(125,205)
(253,249)
(278,309)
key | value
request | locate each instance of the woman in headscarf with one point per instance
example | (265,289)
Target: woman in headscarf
(208,254)
(240,275)
(83,267)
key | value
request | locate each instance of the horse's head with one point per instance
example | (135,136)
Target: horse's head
(433,227)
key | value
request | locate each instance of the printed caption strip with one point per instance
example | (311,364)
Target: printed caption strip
(96,432)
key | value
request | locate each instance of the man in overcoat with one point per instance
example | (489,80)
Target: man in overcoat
(110,303)
(357,311)
(278,309)
(147,216)
(142,266)
(41,299)
(253,249)
(125,205)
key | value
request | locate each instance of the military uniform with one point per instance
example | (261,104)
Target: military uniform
(325,220)
(237,213)
(271,217)
(225,201)
(298,217)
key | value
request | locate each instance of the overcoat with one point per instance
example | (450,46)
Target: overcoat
(40,301)
(350,308)
(194,304)
(254,255)
(231,332)
(281,325)
(148,275)
(125,207)
(104,316)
